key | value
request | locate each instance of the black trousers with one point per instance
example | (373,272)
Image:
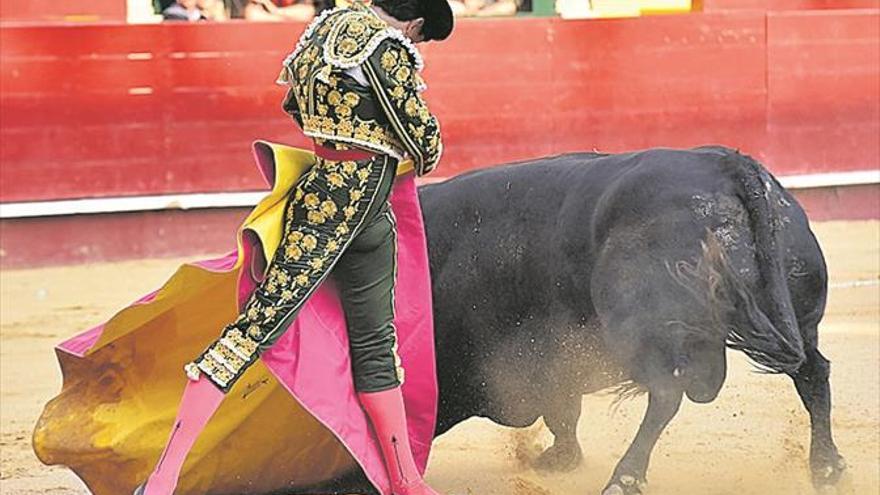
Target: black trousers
(338,221)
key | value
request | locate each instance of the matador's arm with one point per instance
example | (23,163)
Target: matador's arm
(392,73)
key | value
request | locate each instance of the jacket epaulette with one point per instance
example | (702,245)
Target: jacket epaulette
(353,37)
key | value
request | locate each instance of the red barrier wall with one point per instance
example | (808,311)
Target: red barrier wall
(110,110)
(172,108)
(823,90)
(117,109)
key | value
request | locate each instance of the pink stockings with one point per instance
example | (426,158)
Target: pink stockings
(388,415)
(200,399)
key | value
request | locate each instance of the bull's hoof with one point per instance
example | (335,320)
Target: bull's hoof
(827,490)
(560,458)
(625,485)
(827,474)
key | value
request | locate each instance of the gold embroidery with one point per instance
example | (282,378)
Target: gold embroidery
(402,74)
(316,217)
(399,86)
(351,99)
(210,366)
(293,252)
(327,105)
(356,28)
(253,312)
(229,356)
(255,331)
(335,180)
(412,107)
(328,208)
(389,60)
(310,242)
(348,46)
(350,35)
(345,128)
(311,200)
(417,130)
(244,344)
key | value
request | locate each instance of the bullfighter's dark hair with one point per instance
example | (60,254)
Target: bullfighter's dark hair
(437,15)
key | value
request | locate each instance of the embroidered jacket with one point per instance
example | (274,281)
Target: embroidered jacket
(354,79)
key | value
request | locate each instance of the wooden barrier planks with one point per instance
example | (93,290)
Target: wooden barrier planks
(151,110)
(173,108)
(824,90)
(661,81)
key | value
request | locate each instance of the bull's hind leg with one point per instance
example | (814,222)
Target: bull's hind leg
(811,381)
(629,476)
(562,418)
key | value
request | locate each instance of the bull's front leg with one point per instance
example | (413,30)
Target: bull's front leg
(561,418)
(811,381)
(629,476)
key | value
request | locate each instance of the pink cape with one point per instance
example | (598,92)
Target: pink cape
(311,359)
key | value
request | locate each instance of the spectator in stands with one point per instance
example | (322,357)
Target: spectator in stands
(195,10)
(183,10)
(279,10)
(213,10)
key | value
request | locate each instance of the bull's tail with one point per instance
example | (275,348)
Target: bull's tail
(761,324)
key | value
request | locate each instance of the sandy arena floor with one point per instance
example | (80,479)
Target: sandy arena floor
(753,440)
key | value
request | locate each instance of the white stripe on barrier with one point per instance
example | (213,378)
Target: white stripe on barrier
(123,204)
(833,179)
(851,284)
(129,204)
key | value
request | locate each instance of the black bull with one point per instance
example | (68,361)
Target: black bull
(567,275)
